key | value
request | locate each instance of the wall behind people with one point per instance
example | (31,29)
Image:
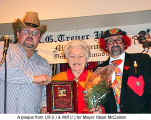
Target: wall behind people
(52,9)
(88,28)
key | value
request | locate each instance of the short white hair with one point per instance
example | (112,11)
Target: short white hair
(75,44)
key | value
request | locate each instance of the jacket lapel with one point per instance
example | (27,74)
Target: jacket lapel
(126,72)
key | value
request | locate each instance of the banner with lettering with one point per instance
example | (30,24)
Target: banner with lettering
(52,44)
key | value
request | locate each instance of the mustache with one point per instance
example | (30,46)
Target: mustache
(117,46)
(29,38)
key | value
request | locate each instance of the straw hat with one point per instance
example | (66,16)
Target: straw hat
(30,19)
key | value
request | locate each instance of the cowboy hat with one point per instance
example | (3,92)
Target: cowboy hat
(30,19)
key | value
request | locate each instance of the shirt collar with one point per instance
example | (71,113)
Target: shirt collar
(122,57)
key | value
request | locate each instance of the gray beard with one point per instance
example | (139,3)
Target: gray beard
(116,50)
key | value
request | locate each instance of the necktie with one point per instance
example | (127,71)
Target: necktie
(116,85)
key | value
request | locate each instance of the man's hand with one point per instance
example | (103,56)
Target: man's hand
(42,79)
(44,110)
(106,73)
(108,69)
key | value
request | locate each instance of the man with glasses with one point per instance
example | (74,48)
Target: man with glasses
(27,72)
(130,79)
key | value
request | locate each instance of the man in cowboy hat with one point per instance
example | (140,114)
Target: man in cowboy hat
(131,79)
(28,73)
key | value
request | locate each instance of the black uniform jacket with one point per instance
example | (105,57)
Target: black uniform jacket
(136,86)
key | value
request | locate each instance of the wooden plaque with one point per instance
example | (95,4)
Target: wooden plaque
(61,97)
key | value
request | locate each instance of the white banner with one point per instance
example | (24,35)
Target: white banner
(53,52)
(52,44)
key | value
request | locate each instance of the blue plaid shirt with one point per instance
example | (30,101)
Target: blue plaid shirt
(23,96)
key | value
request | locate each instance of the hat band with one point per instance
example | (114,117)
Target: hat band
(110,35)
(31,24)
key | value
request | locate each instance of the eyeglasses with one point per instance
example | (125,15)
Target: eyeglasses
(30,32)
(117,41)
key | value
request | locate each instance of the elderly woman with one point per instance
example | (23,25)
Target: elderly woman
(77,53)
